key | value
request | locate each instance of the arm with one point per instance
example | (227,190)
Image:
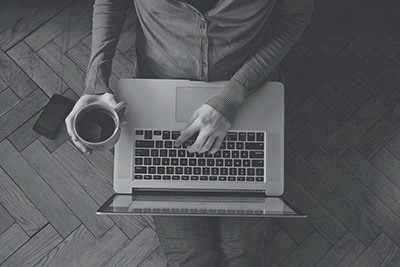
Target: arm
(108,20)
(286,28)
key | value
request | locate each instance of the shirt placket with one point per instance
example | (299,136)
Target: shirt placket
(203,49)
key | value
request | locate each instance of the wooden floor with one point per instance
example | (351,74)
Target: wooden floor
(342,143)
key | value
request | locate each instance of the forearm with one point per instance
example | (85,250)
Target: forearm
(108,20)
(286,29)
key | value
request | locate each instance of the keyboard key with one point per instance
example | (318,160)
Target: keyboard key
(163,153)
(223,171)
(165,161)
(152,170)
(185,177)
(157,132)
(254,146)
(239,145)
(192,162)
(221,178)
(251,137)
(159,144)
(156,177)
(166,177)
(214,171)
(201,162)
(219,162)
(183,162)
(259,171)
(147,161)
(160,170)
(154,152)
(256,154)
(231,178)
(156,161)
(205,171)
(142,152)
(181,153)
(228,162)
(140,169)
(235,154)
(260,179)
(250,178)
(172,153)
(138,176)
(168,144)
(217,154)
(257,163)
(148,135)
(147,177)
(194,178)
(213,178)
(138,161)
(244,154)
(223,145)
(250,171)
(260,137)
(145,144)
(231,136)
(232,171)
(242,171)
(170,170)
(207,155)
(210,162)
(231,145)
(179,170)
(166,135)
(175,134)
(226,154)
(174,161)
(242,136)
(200,155)
(175,177)
(188,170)
(190,155)
(196,170)
(204,178)
(139,132)
(246,163)
(240,178)
(237,162)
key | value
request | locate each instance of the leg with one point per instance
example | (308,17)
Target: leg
(186,241)
(241,241)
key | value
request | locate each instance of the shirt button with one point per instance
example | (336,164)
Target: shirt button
(204,64)
(202,26)
(204,42)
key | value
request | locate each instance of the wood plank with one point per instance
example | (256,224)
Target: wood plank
(14,77)
(356,127)
(13,238)
(394,146)
(62,135)
(352,256)
(19,206)
(380,250)
(73,76)
(367,77)
(373,179)
(390,45)
(318,131)
(37,69)
(59,23)
(67,188)
(157,258)
(309,252)
(280,247)
(370,37)
(299,230)
(6,219)
(138,249)
(37,247)
(271,230)
(346,245)
(325,223)
(37,190)
(11,11)
(294,90)
(24,135)
(82,249)
(303,116)
(366,202)
(21,112)
(3,85)
(389,165)
(29,22)
(380,134)
(323,190)
(8,99)
(128,34)
(393,262)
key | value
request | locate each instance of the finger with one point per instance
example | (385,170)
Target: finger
(186,134)
(198,144)
(217,144)
(208,144)
(80,146)
(69,126)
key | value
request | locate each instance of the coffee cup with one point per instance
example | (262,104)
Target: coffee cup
(97,125)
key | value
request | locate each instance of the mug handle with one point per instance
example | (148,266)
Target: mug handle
(120,106)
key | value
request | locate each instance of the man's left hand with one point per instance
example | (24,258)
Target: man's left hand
(212,127)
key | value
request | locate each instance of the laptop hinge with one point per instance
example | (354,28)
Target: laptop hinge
(180,191)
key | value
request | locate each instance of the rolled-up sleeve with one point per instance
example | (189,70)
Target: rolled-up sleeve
(108,20)
(284,31)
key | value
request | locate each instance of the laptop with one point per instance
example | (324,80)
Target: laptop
(244,178)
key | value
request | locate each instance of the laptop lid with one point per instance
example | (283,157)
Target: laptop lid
(184,203)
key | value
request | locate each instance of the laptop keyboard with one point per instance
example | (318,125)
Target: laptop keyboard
(240,158)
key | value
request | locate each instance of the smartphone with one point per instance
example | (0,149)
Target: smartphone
(53,116)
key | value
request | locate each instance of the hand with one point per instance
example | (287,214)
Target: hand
(106,98)
(212,127)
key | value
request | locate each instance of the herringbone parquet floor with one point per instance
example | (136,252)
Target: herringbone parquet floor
(342,143)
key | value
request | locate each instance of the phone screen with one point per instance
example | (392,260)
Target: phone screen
(53,115)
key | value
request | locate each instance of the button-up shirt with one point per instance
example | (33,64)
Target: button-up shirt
(241,41)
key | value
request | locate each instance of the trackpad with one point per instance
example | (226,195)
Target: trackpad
(188,99)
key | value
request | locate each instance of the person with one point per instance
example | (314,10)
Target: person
(240,41)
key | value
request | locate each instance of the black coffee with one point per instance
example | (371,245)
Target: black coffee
(96,126)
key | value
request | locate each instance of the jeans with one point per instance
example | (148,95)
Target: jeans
(211,241)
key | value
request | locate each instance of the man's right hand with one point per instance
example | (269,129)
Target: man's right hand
(106,98)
